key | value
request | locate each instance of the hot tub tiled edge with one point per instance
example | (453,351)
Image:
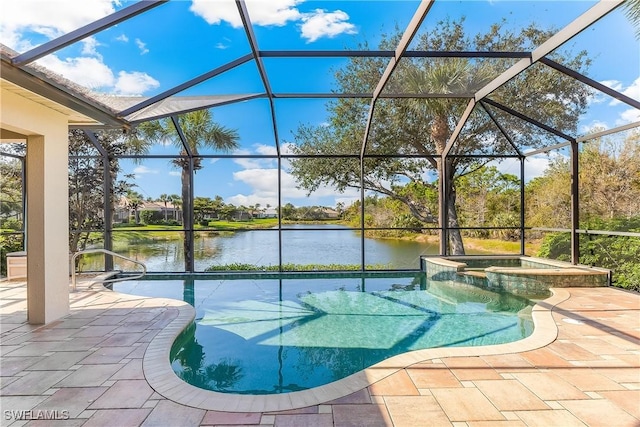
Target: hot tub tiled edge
(532,276)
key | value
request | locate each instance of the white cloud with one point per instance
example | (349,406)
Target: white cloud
(90,72)
(594,126)
(325,24)
(224,44)
(122,38)
(175,173)
(536,165)
(50,18)
(134,83)
(264,185)
(142,170)
(631,115)
(53,18)
(142,46)
(632,91)
(314,25)
(261,12)
(89,46)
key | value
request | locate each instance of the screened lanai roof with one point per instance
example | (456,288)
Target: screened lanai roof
(269,66)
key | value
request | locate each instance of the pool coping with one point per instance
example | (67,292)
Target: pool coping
(161,377)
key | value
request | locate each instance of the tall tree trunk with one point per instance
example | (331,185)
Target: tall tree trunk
(455,237)
(187,224)
(440,133)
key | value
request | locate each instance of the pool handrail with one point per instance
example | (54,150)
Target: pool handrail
(104,251)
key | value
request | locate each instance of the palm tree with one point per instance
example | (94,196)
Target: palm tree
(199,131)
(633,13)
(176,201)
(164,198)
(134,202)
(453,76)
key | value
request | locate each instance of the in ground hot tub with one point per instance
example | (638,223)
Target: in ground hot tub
(519,275)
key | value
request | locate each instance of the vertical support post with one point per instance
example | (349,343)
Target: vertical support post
(442,214)
(575,203)
(106,188)
(280,220)
(362,255)
(189,252)
(23,176)
(48,225)
(522,208)
(108,219)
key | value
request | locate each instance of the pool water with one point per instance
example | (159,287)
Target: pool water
(263,336)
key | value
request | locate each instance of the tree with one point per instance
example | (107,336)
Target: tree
(200,131)
(164,198)
(176,201)
(86,183)
(134,202)
(422,127)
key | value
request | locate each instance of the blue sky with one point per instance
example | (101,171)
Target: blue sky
(180,40)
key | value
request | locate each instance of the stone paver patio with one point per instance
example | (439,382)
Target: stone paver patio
(106,364)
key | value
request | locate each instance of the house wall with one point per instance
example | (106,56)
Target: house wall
(46,132)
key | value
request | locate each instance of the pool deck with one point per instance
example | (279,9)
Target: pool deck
(106,364)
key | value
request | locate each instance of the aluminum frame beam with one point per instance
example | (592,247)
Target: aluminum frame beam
(186,85)
(248,28)
(30,79)
(86,31)
(582,22)
(403,44)
(526,118)
(590,82)
(389,54)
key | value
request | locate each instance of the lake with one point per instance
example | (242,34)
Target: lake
(301,244)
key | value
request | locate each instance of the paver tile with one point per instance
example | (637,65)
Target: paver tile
(11,365)
(548,386)
(397,384)
(131,371)
(510,395)
(34,382)
(231,418)
(435,375)
(411,411)
(466,404)
(124,394)
(117,417)
(361,396)
(629,400)
(74,400)
(587,380)
(106,355)
(168,413)
(560,418)
(306,420)
(60,360)
(89,376)
(361,415)
(600,412)
(72,422)
(543,357)
(471,368)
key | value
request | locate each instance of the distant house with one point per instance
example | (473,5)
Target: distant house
(268,213)
(122,213)
(239,215)
(330,213)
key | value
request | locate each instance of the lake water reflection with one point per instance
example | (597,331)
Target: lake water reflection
(301,244)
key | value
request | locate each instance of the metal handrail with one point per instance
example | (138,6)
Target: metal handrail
(104,251)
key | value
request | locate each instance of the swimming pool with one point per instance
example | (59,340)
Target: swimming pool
(277,335)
